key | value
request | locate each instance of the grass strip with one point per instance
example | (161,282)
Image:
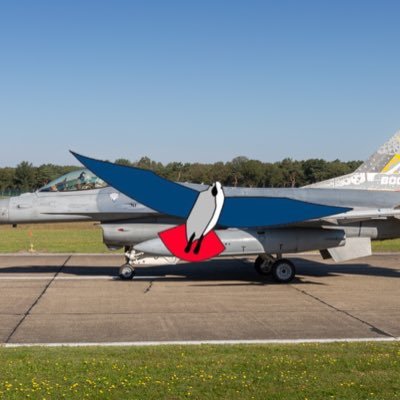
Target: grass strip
(85,237)
(302,371)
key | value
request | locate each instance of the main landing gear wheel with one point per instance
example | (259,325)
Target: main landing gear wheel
(263,266)
(126,272)
(283,271)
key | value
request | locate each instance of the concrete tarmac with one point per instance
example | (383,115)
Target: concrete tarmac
(75,299)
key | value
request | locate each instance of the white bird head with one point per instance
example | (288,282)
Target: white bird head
(216,188)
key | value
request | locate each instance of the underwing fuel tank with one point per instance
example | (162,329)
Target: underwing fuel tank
(274,241)
(118,235)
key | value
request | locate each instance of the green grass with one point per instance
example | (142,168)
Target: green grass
(386,245)
(84,237)
(53,238)
(310,371)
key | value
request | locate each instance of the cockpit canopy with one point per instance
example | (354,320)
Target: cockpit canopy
(81,179)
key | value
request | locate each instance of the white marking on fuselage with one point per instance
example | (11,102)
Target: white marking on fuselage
(114,196)
(390,180)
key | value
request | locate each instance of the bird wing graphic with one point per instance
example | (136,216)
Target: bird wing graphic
(144,186)
(259,212)
(173,199)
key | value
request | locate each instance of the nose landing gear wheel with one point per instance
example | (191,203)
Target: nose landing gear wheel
(126,272)
(283,271)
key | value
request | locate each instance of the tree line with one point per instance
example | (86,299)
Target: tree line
(241,171)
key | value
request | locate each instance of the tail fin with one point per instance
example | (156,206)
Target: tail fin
(386,160)
(380,172)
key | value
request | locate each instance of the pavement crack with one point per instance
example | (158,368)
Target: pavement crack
(28,312)
(372,327)
(147,290)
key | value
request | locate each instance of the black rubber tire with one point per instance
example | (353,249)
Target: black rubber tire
(263,266)
(126,272)
(283,271)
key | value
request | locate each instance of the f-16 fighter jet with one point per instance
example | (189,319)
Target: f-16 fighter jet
(339,217)
(333,216)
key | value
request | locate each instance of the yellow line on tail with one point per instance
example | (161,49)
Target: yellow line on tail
(393,166)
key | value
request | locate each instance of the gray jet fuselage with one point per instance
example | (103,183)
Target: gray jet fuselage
(126,222)
(371,193)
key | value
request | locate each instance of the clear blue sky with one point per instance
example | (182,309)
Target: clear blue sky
(197,80)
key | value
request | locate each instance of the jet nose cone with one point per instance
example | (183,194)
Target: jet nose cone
(4,206)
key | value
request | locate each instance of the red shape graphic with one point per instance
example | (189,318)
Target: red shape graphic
(175,240)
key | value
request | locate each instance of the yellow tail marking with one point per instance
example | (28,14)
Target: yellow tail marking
(393,166)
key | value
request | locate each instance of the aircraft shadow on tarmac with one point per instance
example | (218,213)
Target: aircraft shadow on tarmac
(239,272)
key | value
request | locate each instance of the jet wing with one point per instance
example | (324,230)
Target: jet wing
(365,215)
(173,199)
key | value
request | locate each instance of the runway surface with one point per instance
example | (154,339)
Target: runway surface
(76,299)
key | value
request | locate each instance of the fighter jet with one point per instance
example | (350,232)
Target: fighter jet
(339,217)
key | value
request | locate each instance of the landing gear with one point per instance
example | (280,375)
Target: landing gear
(281,269)
(263,265)
(126,272)
(135,258)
